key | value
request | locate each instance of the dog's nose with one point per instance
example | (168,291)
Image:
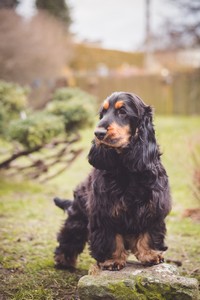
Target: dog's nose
(100,133)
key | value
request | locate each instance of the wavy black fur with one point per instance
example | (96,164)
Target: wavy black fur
(132,177)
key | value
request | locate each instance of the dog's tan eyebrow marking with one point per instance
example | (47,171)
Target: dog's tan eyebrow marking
(119,104)
(106,104)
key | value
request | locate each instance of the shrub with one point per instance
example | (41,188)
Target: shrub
(54,129)
(65,94)
(37,130)
(70,110)
(76,107)
(13,99)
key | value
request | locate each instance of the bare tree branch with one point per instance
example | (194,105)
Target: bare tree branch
(6,163)
(182,31)
(41,163)
(69,162)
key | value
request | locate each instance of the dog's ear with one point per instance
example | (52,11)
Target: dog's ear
(143,151)
(102,158)
(146,134)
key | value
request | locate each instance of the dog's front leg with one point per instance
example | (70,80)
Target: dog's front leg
(108,249)
(145,252)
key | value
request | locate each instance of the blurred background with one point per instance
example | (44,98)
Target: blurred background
(104,46)
(58,61)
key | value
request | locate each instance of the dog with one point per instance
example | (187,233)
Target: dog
(121,206)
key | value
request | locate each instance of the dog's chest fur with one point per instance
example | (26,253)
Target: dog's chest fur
(122,198)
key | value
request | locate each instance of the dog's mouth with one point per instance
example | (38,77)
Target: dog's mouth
(114,136)
(112,143)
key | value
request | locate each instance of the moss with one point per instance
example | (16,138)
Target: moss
(172,289)
(43,284)
(120,286)
(125,290)
(37,294)
(91,288)
(152,288)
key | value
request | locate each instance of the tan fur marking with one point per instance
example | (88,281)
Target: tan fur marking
(119,104)
(119,257)
(106,104)
(120,133)
(97,141)
(144,253)
(93,270)
(120,250)
(60,260)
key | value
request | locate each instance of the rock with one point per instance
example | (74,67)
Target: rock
(136,282)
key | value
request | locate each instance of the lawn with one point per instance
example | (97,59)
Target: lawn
(29,221)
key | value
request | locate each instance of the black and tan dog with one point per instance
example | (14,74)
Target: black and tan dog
(122,205)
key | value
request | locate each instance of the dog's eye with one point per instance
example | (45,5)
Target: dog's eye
(101,114)
(121,112)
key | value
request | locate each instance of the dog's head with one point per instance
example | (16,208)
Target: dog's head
(119,120)
(125,123)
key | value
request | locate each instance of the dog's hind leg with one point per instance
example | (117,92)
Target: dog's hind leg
(72,238)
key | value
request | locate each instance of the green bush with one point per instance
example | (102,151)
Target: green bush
(13,100)
(69,111)
(37,130)
(68,93)
(76,107)
(74,116)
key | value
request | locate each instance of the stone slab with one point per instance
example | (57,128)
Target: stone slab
(136,282)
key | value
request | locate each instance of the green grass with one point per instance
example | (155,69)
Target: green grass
(29,221)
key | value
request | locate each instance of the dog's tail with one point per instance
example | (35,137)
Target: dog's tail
(63,204)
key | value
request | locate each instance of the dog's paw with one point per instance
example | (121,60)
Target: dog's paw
(151,258)
(154,261)
(61,262)
(112,265)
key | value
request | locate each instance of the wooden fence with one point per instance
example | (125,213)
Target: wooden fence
(178,93)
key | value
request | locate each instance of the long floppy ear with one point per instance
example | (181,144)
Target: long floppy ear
(102,158)
(143,151)
(146,132)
